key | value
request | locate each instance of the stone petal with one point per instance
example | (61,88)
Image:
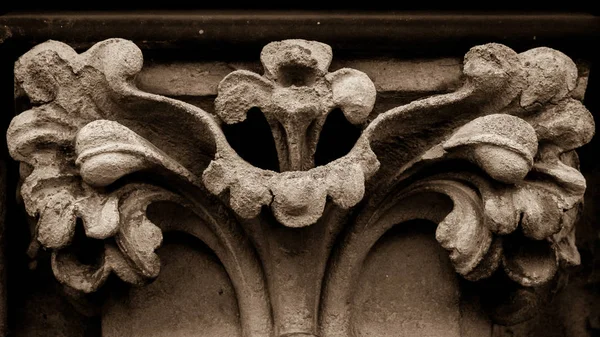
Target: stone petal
(489,263)
(138,237)
(43,182)
(89,278)
(354,92)
(567,183)
(69,271)
(248,186)
(119,265)
(567,124)
(346,184)
(563,242)
(541,215)
(298,201)
(240,91)
(503,217)
(37,70)
(39,126)
(247,196)
(494,72)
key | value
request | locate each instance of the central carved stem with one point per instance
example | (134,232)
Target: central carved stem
(294,260)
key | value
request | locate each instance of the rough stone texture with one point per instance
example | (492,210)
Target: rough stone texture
(179,302)
(492,163)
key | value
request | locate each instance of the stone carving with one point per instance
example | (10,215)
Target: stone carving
(296,94)
(492,163)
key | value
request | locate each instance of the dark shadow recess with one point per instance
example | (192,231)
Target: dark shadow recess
(337,138)
(253,141)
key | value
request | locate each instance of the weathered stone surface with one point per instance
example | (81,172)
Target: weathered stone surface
(388,75)
(180,301)
(491,163)
(407,288)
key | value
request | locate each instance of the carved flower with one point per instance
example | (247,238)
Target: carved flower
(295,94)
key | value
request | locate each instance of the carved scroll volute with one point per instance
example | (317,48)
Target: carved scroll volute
(89,130)
(513,184)
(493,164)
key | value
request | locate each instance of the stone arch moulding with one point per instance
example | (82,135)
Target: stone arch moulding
(492,163)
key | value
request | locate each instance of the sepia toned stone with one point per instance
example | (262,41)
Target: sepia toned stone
(490,162)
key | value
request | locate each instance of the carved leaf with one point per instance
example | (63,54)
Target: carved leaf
(563,242)
(72,153)
(138,237)
(550,74)
(108,151)
(56,224)
(463,231)
(40,126)
(88,278)
(567,124)
(103,220)
(278,57)
(502,145)
(523,200)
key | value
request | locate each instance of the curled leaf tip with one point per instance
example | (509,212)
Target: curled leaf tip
(550,75)
(503,145)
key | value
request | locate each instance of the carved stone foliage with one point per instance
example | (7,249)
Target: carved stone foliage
(493,164)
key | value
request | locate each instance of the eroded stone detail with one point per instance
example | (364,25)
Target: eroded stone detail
(518,212)
(296,94)
(493,164)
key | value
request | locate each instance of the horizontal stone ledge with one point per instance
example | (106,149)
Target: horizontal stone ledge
(423,76)
(202,78)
